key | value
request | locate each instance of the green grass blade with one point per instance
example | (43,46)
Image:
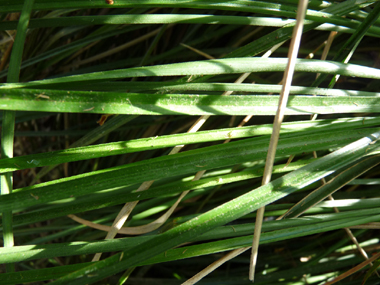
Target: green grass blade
(239,5)
(210,67)
(180,104)
(318,17)
(221,87)
(149,19)
(8,124)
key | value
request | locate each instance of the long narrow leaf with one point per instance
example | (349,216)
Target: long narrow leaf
(8,123)
(213,66)
(154,104)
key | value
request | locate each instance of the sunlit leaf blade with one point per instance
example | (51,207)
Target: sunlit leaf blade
(210,67)
(319,17)
(242,87)
(170,104)
(8,123)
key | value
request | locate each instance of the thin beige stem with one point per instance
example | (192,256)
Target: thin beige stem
(369,226)
(327,47)
(123,216)
(214,265)
(139,229)
(76,55)
(287,79)
(240,41)
(206,55)
(255,243)
(183,127)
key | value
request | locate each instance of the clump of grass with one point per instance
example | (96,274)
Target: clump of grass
(112,109)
